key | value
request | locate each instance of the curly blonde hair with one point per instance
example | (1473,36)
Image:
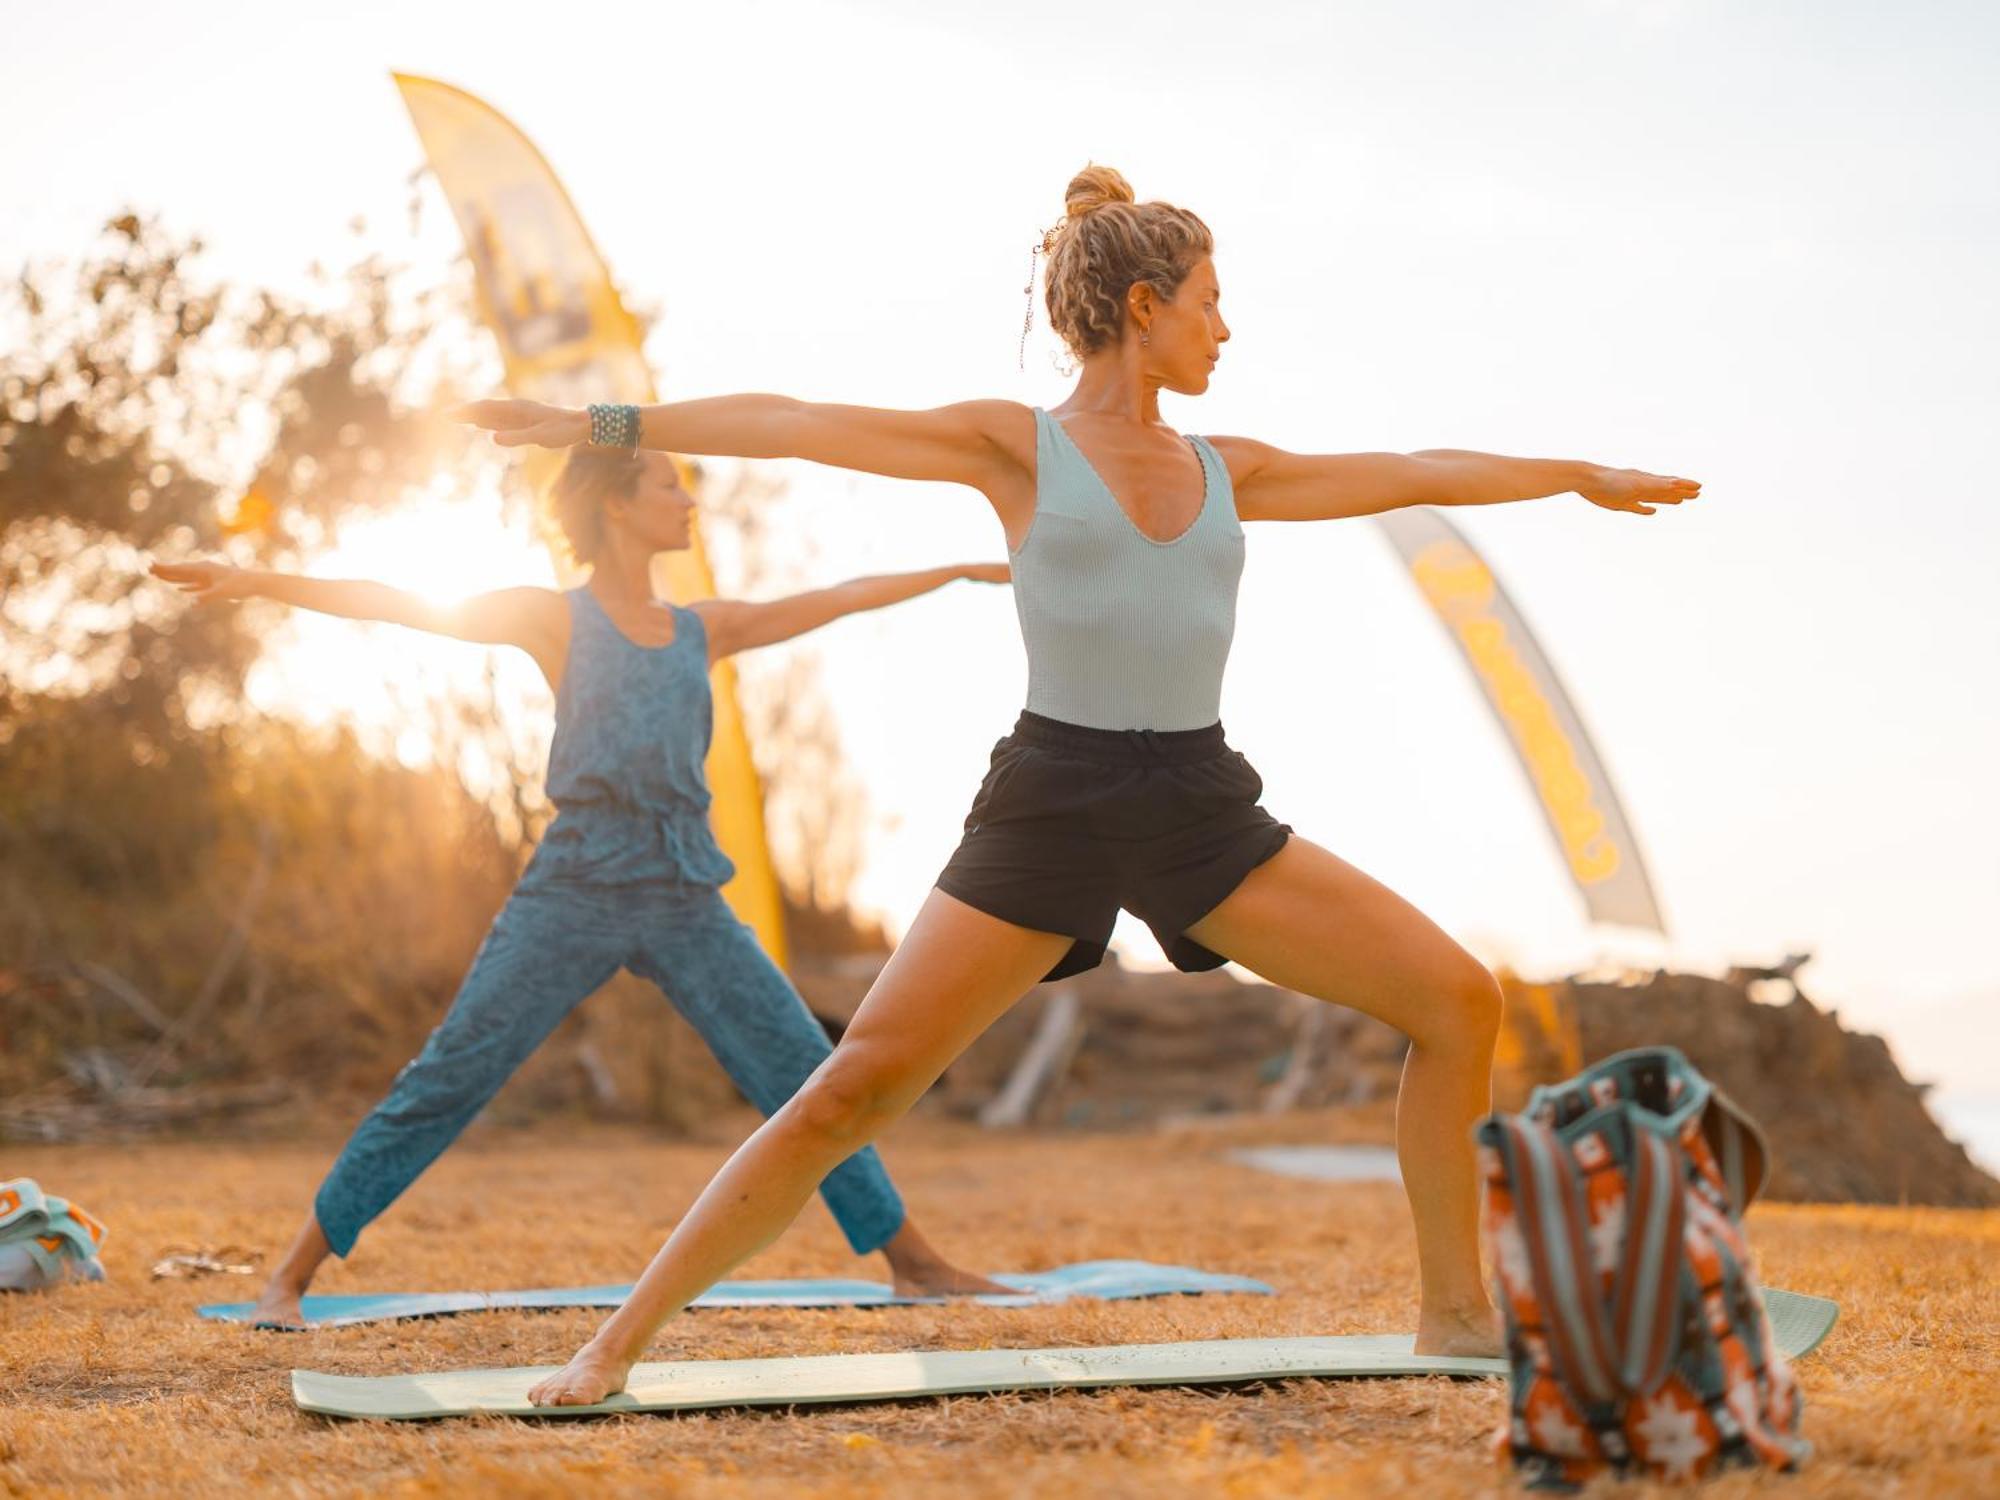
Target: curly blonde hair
(1108,243)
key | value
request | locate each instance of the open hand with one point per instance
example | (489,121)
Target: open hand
(205,580)
(988,573)
(1635,490)
(587,1379)
(526,424)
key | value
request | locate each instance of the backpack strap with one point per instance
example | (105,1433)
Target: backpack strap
(1646,1295)
(1740,1149)
(1602,1354)
(1548,1201)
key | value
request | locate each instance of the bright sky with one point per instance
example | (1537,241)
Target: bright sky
(1750,243)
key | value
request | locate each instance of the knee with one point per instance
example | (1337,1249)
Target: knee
(421,1095)
(439,1082)
(850,1099)
(1466,1022)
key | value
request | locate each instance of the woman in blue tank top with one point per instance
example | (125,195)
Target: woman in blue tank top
(628,874)
(1116,788)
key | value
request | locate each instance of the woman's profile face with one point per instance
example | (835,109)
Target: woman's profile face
(1186,335)
(658,515)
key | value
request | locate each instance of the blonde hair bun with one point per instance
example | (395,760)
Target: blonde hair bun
(1094,187)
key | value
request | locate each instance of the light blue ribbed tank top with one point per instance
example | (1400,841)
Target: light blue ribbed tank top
(1124,632)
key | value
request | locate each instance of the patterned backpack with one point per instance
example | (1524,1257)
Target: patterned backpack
(1636,1331)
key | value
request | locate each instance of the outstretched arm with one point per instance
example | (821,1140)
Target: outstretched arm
(741,625)
(1273,485)
(533,619)
(976,443)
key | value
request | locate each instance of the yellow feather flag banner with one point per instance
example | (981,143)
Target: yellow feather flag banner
(566,338)
(1548,737)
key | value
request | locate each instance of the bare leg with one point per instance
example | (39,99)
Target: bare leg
(278,1304)
(711,970)
(956,972)
(1313,923)
(916,1269)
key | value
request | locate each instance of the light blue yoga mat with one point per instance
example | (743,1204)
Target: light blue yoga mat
(1105,1280)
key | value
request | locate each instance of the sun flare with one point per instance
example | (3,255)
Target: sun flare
(386,681)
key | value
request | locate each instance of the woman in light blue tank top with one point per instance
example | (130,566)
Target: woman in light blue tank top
(1117,787)
(628,874)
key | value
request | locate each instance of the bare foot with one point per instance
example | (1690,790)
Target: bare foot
(1473,1333)
(940,1278)
(917,1270)
(278,1304)
(278,1309)
(587,1379)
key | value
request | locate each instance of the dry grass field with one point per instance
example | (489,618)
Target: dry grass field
(118,1389)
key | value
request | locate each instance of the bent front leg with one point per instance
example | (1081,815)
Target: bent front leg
(956,972)
(712,969)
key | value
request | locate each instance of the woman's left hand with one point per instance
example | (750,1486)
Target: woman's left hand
(589,1378)
(524,424)
(1635,490)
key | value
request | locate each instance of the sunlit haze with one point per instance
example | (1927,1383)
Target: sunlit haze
(327,669)
(1754,245)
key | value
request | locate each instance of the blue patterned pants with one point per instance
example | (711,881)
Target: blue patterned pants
(554,943)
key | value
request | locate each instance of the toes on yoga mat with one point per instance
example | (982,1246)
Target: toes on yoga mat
(1107,1280)
(1799,1323)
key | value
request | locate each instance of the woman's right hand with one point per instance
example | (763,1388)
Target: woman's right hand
(206,580)
(523,424)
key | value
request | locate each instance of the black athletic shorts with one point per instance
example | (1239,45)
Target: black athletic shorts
(1071,824)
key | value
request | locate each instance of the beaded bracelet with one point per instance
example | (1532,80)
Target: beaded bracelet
(613,426)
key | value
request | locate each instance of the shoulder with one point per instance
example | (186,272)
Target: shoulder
(716,622)
(1243,457)
(525,607)
(552,612)
(531,596)
(547,610)
(1008,426)
(994,416)
(535,619)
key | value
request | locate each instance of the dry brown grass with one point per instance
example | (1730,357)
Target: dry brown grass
(119,1389)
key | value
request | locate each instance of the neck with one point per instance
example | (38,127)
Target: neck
(623,573)
(1115,383)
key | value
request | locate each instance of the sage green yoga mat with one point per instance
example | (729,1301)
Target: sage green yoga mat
(690,1385)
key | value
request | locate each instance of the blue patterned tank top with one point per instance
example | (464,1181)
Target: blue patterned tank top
(625,770)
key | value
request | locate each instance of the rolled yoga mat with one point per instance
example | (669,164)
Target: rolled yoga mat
(1106,1280)
(1799,1323)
